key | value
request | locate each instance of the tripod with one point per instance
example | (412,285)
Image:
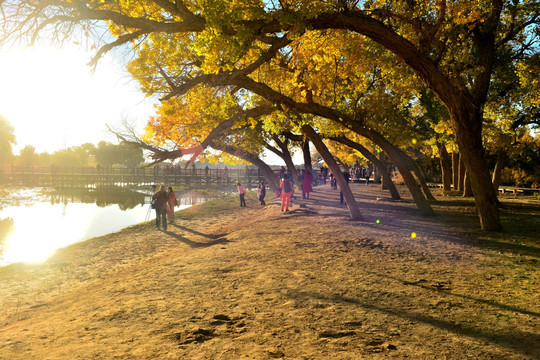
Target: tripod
(147,218)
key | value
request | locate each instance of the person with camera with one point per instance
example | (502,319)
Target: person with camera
(161,199)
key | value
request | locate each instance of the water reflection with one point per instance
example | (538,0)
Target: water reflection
(32,231)
(124,199)
(6,228)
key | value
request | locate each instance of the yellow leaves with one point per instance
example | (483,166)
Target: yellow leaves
(467,12)
(378,3)
(529,80)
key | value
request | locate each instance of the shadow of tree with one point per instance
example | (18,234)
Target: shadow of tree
(422,284)
(195,244)
(209,236)
(518,341)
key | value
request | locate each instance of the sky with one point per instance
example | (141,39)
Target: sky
(54,101)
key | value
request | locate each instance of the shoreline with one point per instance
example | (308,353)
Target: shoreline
(226,282)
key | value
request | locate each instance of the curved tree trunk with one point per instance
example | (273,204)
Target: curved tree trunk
(376,162)
(497,171)
(393,153)
(307,154)
(446,167)
(419,174)
(285,155)
(334,168)
(269,175)
(377,176)
(468,129)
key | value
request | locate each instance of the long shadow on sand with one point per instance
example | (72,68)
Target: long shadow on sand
(195,244)
(518,341)
(425,285)
(209,236)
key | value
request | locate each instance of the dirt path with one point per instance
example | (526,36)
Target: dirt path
(254,284)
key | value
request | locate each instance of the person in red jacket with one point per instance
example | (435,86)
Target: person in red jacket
(286,186)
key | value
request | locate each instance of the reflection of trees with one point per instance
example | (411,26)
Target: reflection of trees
(124,199)
(6,227)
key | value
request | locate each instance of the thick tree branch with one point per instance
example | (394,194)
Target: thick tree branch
(160,154)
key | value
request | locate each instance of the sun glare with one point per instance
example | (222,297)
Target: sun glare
(39,230)
(53,100)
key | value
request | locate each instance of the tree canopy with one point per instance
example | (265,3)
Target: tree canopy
(325,59)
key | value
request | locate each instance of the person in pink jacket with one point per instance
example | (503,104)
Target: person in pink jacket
(242,192)
(306,184)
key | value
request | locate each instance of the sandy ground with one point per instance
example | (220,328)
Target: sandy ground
(251,283)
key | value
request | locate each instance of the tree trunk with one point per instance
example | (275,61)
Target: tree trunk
(419,174)
(307,154)
(379,170)
(267,171)
(285,155)
(496,179)
(376,162)
(455,169)
(461,180)
(467,189)
(393,153)
(334,168)
(468,129)
(446,168)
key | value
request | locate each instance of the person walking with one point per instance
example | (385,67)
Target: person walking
(286,192)
(172,202)
(162,204)
(306,184)
(242,192)
(261,192)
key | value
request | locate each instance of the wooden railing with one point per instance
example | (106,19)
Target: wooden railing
(502,189)
(104,177)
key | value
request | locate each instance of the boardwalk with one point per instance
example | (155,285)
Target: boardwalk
(91,177)
(503,189)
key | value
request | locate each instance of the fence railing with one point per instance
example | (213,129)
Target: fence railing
(103,177)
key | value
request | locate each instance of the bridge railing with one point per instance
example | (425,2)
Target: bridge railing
(73,177)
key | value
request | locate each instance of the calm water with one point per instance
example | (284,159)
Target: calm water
(34,227)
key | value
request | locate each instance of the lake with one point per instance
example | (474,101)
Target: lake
(33,223)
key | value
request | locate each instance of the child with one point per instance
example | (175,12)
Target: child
(242,191)
(261,193)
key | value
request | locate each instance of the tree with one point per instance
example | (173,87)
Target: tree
(451,47)
(374,160)
(129,155)
(73,156)
(107,154)
(7,139)
(334,168)
(28,156)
